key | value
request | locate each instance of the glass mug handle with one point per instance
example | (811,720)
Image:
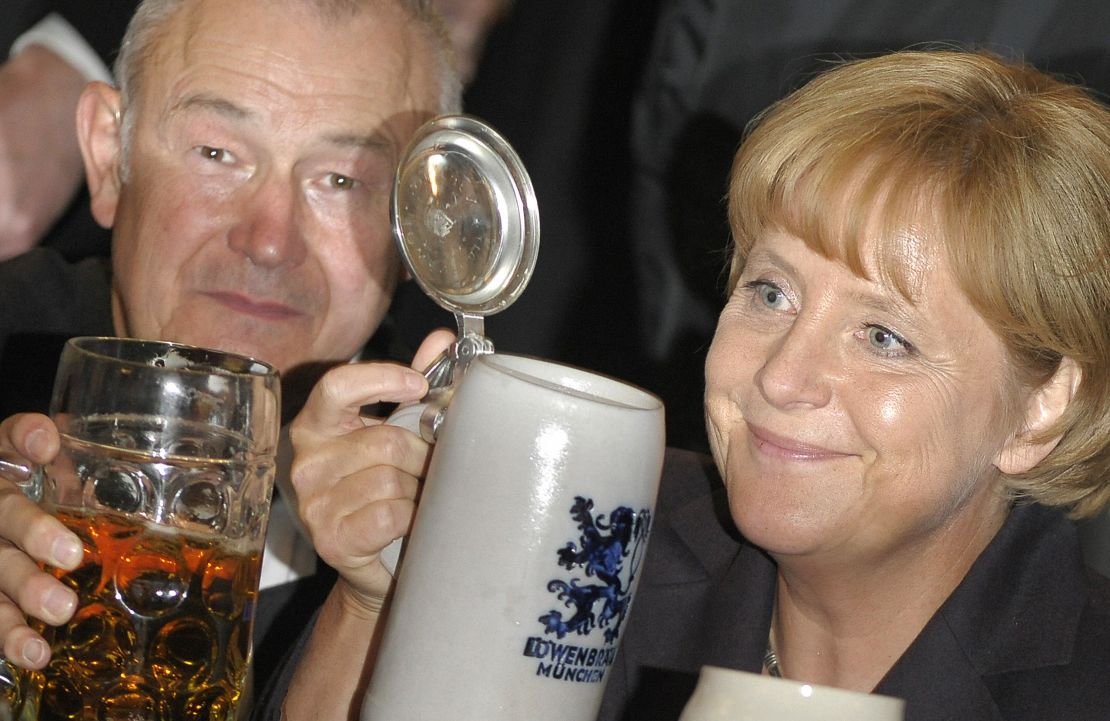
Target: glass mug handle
(25,477)
(29,481)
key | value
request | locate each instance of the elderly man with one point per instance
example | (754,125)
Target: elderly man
(245,165)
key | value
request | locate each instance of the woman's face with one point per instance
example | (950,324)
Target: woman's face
(848,420)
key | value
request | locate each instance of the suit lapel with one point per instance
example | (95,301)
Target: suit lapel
(1016,611)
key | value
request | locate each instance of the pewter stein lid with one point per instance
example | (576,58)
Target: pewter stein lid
(464,215)
(465,219)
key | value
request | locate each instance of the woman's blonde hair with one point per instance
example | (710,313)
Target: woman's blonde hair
(1012,169)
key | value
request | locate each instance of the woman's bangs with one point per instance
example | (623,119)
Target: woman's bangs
(866,215)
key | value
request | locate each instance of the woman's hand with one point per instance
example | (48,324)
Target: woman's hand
(29,536)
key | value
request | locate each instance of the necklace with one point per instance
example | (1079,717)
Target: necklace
(771,662)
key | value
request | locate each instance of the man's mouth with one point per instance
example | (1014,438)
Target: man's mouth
(263,309)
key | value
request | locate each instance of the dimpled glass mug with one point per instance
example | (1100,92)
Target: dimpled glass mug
(727,695)
(165,473)
(524,556)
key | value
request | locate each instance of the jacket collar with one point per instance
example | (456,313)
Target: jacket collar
(1017,609)
(740,579)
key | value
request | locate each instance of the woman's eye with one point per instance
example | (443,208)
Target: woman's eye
(887,341)
(769,294)
(341,182)
(216,155)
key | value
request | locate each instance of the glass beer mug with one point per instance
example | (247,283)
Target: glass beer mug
(165,474)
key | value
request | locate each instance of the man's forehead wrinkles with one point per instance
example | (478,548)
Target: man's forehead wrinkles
(213,103)
(372,142)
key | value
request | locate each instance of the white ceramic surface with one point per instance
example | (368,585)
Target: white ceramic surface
(728,695)
(532,467)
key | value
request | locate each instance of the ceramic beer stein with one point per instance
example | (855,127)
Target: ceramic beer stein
(523,560)
(520,571)
(727,695)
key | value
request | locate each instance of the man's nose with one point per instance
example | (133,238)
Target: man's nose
(799,367)
(270,230)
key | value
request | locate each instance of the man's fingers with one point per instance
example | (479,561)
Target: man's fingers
(37,593)
(335,402)
(32,435)
(365,527)
(435,343)
(22,646)
(27,649)
(33,438)
(26,590)
(366,448)
(360,513)
(41,536)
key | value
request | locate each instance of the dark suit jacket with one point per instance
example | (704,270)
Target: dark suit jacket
(1025,636)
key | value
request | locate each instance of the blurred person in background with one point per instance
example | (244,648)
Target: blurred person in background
(51,48)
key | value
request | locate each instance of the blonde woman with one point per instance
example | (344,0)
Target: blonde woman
(907,394)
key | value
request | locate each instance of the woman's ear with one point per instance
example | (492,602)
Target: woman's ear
(1029,445)
(99,132)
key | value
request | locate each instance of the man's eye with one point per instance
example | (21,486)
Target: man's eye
(341,182)
(216,155)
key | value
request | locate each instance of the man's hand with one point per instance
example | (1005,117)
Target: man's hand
(29,535)
(40,162)
(357,478)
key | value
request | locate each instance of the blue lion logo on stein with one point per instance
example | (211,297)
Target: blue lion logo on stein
(609,549)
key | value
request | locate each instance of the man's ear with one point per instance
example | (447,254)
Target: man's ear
(1029,445)
(99,133)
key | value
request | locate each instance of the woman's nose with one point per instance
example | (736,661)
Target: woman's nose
(798,368)
(269,232)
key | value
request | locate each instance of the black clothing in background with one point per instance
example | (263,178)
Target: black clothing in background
(44,300)
(15,17)
(100,22)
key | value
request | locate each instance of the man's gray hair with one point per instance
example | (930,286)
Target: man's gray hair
(151,17)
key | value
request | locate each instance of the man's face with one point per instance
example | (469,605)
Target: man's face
(254,217)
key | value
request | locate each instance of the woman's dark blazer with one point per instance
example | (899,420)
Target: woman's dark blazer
(1024,637)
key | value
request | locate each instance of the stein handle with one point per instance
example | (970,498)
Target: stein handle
(408,417)
(424,417)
